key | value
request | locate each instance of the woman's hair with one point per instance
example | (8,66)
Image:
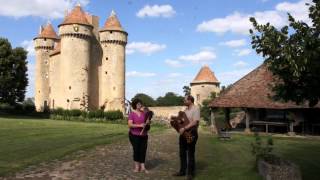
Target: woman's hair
(135,102)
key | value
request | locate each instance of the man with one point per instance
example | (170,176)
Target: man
(187,150)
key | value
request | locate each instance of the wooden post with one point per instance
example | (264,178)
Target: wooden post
(291,132)
(213,122)
(227,118)
(247,130)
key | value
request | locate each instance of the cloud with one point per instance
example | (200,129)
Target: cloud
(139,74)
(31,79)
(174,75)
(165,11)
(28,45)
(240,64)
(243,52)
(38,8)
(200,57)
(203,57)
(239,22)
(173,63)
(229,77)
(234,43)
(147,48)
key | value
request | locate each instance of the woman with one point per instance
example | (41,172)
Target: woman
(138,139)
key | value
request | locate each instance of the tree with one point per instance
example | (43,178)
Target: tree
(13,73)
(170,99)
(186,90)
(146,99)
(205,109)
(292,54)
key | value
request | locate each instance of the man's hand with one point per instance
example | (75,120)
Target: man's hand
(181,131)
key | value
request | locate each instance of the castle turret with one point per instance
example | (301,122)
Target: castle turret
(76,33)
(204,84)
(113,40)
(43,44)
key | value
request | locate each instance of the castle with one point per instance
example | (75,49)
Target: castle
(204,84)
(83,67)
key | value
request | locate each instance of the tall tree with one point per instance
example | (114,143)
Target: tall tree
(292,53)
(13,73)
(170,99)
(146,99)
(186,90)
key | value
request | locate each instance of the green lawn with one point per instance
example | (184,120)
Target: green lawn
(232,159)
(25,142)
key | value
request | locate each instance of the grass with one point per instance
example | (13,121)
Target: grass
(232,159)
(26,141)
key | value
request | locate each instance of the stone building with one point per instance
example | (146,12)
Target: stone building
(204,84)
(83,67)
(253,94)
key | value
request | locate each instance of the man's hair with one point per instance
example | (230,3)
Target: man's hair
(190,98)
(135,102)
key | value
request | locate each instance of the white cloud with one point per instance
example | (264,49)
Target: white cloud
(174,75)
(239,22)
(144,47)
(31,78)
(28,45)
(140,74)
(39,8)
(298,10)
(156,11)
(200,57)
(173,63)
(240,64)
(234,43)
(229,77)
(243,52)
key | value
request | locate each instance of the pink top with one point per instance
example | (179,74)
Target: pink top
(136,119)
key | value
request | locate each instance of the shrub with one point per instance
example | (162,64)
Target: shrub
(262,149)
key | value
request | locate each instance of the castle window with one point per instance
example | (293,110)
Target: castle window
(68,100)
(114,88)
(198,97)
(106,58)
(45,39)
(46,62)
(106,72)
(69,87)
(110,32)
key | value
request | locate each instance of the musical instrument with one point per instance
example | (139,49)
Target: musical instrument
(181,121)
(147,118)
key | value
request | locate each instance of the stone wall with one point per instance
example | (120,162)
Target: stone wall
(164,113)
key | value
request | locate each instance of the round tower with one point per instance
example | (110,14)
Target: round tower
(76,33)
(204,84)
(113,40)
(43,44)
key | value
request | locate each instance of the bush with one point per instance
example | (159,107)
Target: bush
(262,149)
(76,114)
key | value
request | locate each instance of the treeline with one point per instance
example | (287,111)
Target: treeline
(169,99)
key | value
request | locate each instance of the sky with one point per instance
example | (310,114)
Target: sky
(169,40)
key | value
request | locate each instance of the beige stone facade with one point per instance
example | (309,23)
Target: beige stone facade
(203,85)
(83,67)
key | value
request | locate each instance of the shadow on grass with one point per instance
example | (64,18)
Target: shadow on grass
(153,163)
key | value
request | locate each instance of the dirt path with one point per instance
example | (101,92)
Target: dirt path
(113,161)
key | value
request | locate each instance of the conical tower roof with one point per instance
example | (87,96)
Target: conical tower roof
(47,32)
(112,23)
(76,16)
(205,75)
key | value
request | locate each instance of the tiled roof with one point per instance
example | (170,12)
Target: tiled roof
(112,23)
(47,32)
(76,16)
(254,91)
(205,75)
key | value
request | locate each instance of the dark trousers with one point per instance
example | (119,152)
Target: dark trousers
(187,154)
(139,145)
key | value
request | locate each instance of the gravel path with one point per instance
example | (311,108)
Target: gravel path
(113,161)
